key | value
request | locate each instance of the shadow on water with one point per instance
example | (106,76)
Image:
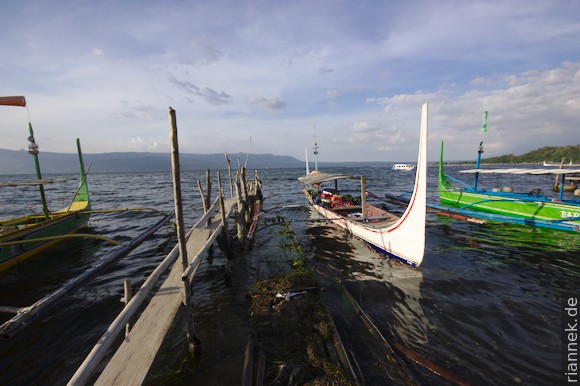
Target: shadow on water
(486,303)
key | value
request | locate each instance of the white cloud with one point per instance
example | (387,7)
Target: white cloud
(235,70)
(139,144)
(267,102)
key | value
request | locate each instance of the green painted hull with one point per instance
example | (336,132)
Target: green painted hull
(12,254)
(518,205)
(21,238)
(508,206)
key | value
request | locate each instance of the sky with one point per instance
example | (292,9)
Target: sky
(272,76)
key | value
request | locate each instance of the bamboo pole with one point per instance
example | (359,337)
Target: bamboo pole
(190,334)
(35,311)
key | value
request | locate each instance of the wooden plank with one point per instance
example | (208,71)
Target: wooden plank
(132,361)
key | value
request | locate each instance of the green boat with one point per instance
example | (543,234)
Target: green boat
(530,208)
(26,236)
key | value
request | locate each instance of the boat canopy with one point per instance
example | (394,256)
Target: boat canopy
(522,171)
(318,178)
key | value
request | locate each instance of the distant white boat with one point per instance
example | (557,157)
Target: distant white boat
(403,167)
(561,164)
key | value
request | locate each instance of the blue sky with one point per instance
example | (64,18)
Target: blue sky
(357,71)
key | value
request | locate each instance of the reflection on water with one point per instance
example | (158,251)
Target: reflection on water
(410,323)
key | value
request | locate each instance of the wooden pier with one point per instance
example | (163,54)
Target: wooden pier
(135,356)
(132,361)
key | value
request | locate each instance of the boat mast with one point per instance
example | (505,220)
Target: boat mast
(33,150)
(480,150)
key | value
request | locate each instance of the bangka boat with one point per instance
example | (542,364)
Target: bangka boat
(400,237)
(25,236)
(529,208)
(404,167)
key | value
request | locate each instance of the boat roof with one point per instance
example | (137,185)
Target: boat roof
(12,101)
(522,171)
(318,178)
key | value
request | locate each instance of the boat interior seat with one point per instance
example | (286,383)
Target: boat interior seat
(75,206)
(373,211)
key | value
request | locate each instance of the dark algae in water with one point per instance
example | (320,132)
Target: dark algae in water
(293,334)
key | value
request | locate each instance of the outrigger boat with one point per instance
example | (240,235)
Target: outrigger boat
(400,237)
(529,208)
(25,236)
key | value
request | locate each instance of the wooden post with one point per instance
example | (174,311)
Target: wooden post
(219,181)
(208,186)
(203,197)
(248,202)
(223,214)
(244,183)
(230,175)
(190,334)
(126,300)
(240,216)
(363,195)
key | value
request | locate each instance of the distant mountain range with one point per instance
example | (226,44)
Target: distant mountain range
(20,162)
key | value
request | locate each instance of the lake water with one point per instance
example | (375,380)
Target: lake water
(487,303)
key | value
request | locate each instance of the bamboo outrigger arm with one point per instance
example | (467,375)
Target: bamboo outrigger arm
(124,210)
(27,315)
(60,237)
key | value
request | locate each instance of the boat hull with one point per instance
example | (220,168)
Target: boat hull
(511,206)
(21,244)
(382,237)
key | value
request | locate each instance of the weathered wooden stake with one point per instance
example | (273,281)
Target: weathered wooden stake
(223,214)
(244,183)
(203,197)
(248,203)
(128,294)
(230,175)
(208,185)
(240,216)
(190,334)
